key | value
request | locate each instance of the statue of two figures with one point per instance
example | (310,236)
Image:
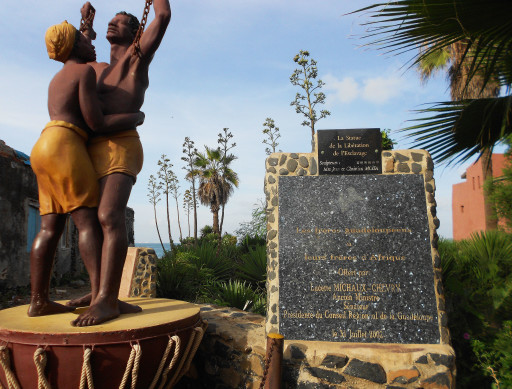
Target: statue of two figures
(88,156)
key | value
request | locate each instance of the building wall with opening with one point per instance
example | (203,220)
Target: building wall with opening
(19,213)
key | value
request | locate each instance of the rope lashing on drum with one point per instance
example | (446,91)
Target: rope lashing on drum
(86,376)
(5,362)
(197,341)
(132,366)
(172,340)
(177,350)
(140,31)
(40,362)
(188,354)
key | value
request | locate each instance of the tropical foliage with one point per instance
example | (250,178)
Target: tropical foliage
(224,139)
(387,143)
(478,288)
(257,226)
(211,272)
(216,180)
(481,31)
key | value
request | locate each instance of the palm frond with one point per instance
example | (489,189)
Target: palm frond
(456,131)
(434,62)
(405,25)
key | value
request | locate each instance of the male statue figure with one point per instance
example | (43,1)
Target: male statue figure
(117,158)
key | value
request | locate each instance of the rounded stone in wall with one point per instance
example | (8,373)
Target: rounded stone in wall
(291,165)
(272,161)
(303,161)
(313,169)
(403,168)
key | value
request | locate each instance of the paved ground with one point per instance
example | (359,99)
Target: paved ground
(21,296)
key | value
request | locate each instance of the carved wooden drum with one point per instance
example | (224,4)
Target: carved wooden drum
(146,350)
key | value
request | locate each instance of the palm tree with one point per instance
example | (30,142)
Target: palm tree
(477,36)
(462,87)
(216,181)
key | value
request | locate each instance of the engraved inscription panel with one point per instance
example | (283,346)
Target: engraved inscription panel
(350,151)
(355,261)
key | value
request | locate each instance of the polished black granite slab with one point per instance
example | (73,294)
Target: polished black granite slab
(355,260)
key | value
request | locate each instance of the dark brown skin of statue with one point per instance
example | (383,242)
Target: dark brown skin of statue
(72,97)
(121,86)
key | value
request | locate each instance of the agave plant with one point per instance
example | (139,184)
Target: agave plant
(235,294)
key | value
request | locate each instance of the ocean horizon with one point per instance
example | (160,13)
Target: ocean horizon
(155,246)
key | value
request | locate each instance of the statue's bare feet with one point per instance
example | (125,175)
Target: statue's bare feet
(85,301)
(125,307)
(98,313)
(42,307)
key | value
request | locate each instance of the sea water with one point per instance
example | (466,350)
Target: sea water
(155,246)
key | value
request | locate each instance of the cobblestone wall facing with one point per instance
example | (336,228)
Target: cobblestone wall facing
(232,355)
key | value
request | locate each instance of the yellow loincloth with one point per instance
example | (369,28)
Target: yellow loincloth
(120,152)
(65,175)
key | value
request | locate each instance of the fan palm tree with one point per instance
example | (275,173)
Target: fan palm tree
(476,36)
(216,180)
(462,86)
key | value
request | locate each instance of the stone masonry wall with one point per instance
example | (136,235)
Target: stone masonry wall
(393,162)
(399,365)
(232,355)
(139,273)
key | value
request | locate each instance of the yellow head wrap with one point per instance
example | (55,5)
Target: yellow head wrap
(60,39)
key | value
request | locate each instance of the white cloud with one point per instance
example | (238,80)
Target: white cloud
(382,89)
(345,90)
(377,90)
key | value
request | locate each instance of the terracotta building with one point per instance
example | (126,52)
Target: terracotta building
(468,208)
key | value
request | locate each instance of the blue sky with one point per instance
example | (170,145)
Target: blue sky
(225,63)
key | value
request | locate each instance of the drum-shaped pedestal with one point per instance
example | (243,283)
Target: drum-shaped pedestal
(152,348)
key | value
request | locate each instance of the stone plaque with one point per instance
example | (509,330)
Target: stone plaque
(355,151)
(355,260)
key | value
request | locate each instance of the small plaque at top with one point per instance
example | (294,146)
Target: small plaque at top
(351,151)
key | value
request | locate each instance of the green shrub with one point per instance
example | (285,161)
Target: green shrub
(253,241)
(180,278)
(253,266)
(478,286)
(237,294)
(228,240)
(205,255)
(495,356)
(206,230)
